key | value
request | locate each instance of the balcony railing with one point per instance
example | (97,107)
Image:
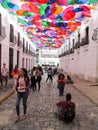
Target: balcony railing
(68,52)
(13,40)
(77,45)
(85,41)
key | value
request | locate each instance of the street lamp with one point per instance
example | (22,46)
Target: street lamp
(95,35)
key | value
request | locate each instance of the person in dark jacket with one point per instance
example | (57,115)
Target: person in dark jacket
(22,88)
(33,79)
(49,76)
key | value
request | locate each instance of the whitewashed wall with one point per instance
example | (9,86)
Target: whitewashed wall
(5,44)
(84,61)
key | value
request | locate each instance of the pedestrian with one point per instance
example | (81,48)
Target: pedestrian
(38,77)
(33,79)
(61,83)
(22,88)
(15,74)
(69,80)
(4,74)
(49,75)
(66,109)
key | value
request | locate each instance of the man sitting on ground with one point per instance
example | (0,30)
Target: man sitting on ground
(66,109)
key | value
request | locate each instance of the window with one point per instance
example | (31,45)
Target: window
(29,48)
(26,46)
(78,37)
(23,62)
(0,23)
(0,60)
(18,58)
(10,61)
(87,32)
(23,44)
(73,42)
(11,33)
(18,38)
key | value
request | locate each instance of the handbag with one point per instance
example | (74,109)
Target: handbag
(58,86)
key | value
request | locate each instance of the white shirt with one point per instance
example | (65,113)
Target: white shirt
(4,72)
(21,87)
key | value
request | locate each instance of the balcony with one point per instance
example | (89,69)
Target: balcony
(71,51)
(85,41)
(68,52)
(13,40)
(2,33)
(77,45)
(19,45)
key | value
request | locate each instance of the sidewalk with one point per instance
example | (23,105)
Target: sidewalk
(6,90)
(86,87)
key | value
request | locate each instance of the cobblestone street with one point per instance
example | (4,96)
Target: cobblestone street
(41,111)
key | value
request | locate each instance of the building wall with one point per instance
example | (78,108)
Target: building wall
(6,44)
(84,61)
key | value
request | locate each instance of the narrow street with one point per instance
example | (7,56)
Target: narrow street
(41,111)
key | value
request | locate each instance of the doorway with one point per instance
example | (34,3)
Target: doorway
(18,58)
(0,60)
(10,61)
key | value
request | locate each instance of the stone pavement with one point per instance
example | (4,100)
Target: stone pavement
(41,109)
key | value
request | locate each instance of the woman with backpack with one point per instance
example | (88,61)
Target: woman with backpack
(22,88)
(61,83)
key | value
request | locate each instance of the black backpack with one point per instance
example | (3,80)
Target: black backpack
(69,114)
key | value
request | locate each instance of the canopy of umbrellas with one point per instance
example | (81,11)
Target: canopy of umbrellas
(48,23)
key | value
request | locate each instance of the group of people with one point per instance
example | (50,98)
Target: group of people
(36,76)
(23,86)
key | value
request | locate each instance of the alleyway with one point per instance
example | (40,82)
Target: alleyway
(41,109)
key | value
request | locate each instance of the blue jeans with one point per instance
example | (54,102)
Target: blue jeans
(24,99)
(59,110)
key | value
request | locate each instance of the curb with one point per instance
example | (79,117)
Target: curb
(3,98)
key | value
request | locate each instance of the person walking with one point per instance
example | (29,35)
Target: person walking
(22,88)
(61,83)
(49,76)
(39,77)
(33,79)
(4,74)
(15,74)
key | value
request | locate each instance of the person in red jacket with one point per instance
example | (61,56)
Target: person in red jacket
(61,80)
(61,106)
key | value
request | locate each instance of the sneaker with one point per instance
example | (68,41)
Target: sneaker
(17,119)
(24,117)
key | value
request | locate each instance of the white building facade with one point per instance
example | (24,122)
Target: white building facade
(79,55)
(15,48)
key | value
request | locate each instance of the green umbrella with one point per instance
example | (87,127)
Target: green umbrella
(42,9)
(45,23)
(28,14)
(22,21)
(70,2)
(5,4)
(93,1)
